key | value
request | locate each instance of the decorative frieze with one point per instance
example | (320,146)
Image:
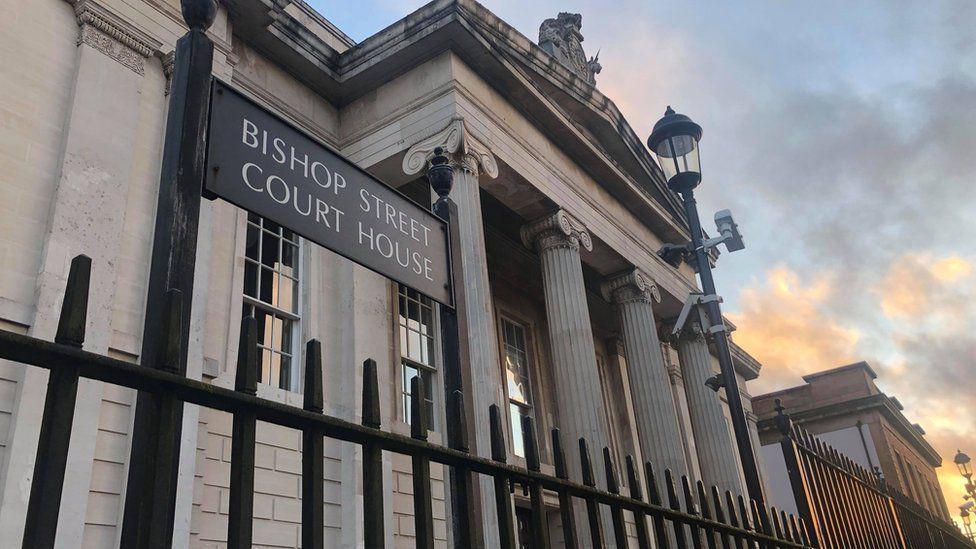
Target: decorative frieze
(113,37)
(558,229)
(466,153)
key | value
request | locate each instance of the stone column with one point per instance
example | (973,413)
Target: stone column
(558,238)
(715,443)
(657,421)
(579,399)
(482,378)
(86,217)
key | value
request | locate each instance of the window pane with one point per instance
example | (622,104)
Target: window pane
(265,366)
(516,362)
(271,226)
(413,315)
(274,374)
(427,320)
(414,346)
(289,259)
(269,249)
(285,298)
(251,249)
(267,286)
(517,388)
(426,353)
(263,326)
(285,376)
(409,372)
(288,235)
(518,442)
(250,279)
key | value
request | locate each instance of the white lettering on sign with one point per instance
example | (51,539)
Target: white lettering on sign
(282,193)
(267,166)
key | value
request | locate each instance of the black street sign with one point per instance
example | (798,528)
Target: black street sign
(265,165)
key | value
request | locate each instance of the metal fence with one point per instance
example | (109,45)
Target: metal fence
(847,506)
(672,513)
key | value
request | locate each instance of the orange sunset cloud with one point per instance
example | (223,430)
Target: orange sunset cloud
(781,323)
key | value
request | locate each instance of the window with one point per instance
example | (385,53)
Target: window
(415,319)
(271,294)
(516,357)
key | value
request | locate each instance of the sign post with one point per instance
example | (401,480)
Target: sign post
(465,526)
(150,493)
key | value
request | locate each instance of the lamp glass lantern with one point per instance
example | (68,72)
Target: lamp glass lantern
(675,141)
(966,517)
(963,462)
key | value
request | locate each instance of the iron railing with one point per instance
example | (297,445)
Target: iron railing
(681,514)
(848,507)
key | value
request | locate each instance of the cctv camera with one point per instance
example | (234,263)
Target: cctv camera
(672,254)
(715,382)
(729,230)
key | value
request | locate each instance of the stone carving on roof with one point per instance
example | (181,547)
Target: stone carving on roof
(561,38)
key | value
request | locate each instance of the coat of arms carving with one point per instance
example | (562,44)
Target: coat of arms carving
(561,38)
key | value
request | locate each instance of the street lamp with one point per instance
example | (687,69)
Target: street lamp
(675,141)
(964,463)
(966,518)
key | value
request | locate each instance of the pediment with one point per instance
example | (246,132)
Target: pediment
(569,109)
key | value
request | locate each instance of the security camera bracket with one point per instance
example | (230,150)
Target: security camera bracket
(692,302)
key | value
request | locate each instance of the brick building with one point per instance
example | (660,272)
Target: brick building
(845,408)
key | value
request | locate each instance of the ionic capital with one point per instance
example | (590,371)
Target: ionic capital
(629,287)
(556,230)
(464,151)
(692,331)
(113,36)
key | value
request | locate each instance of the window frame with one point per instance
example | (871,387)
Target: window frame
(402,361)
(530,409)
(273,311)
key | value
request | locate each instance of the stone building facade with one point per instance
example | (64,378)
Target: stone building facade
(561,211)
(845,408)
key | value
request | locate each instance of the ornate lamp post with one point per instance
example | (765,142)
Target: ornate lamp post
(964,463)
(967,519)
(675,141)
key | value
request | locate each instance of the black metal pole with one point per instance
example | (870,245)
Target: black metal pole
(154,454)
(720,338)
(465,526)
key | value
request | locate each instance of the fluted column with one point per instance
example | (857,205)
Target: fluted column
(558,238)
(579,399)
(657,421)
(714,441)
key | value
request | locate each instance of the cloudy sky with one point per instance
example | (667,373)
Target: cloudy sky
(843,137)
